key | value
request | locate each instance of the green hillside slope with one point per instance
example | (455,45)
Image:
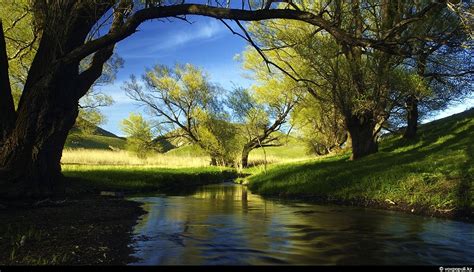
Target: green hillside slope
(432,174)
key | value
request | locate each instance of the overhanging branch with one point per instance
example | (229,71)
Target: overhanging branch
(219,13)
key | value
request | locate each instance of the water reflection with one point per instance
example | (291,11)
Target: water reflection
(226,224)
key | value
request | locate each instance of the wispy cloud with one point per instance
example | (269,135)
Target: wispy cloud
(198,32)
(117,93)
(205,31)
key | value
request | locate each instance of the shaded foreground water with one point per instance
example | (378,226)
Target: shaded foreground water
(226,224)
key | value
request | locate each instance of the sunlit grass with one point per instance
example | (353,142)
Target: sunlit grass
(435,171)
(122,157)
(186,156)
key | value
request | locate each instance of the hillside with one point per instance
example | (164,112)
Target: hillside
(432,174)
(100,139)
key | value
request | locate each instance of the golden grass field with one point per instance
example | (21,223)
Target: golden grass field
(124,158)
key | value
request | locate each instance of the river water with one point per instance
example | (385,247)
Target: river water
(226,224)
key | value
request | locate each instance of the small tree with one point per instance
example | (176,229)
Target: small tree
(139,135)
(219,137)
(261,114)
(186,105)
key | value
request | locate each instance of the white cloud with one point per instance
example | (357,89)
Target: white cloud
(199,31)
(117,93)
(205,30)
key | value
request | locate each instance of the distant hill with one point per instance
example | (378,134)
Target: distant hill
(103,139)
(165,143)
(100,139)
(102,132)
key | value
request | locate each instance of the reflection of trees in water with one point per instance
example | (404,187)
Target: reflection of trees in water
(159,233)
(236,218)
(228,224)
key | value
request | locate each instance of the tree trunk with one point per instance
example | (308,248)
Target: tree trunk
(412,102)
(412,117)
(213,161)
(7,113)
(245,156)
(31,153)
(361,130)
(30,157)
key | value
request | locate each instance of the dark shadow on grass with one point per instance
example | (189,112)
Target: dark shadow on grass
(145,181)
(465,191)
(431,132)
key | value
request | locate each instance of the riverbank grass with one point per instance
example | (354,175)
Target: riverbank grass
(142,178)
(431,174)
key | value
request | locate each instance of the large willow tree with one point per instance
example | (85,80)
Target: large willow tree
(363,84)
(32,136)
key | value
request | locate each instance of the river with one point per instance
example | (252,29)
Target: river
(225,224)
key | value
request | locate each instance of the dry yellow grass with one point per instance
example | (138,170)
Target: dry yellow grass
(108,157)
(124,158)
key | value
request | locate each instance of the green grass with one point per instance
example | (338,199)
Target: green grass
(434,171)
(143,179)
(187,151)
(292,149)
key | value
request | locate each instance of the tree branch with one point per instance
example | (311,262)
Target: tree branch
(143,15)
(89,76)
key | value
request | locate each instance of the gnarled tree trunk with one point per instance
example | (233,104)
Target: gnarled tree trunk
(245,156)
(412,101)
(361,130)
(8,115)
(412,117)
(31,152)
(30,157)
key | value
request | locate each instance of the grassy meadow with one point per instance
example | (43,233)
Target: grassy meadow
(104,150)
(101,164)
(431,174)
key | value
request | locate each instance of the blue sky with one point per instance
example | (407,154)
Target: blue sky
(206,43)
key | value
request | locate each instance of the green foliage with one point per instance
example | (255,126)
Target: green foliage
(322,127)
(434,172)
(350,82)
(186,85)
(219,138)
(21,42)
(139,135)
(90,116)
(88,120)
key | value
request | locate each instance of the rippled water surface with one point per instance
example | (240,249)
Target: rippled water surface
(226,224)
